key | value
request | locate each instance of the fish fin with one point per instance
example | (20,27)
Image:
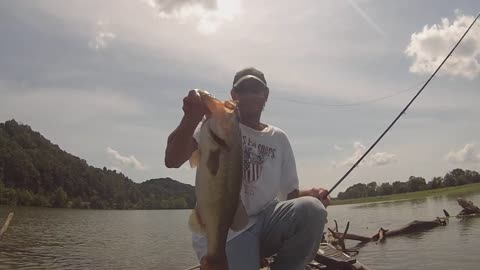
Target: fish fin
(240,220)
(195,159)
(211,263)
(213,162)
(195,223)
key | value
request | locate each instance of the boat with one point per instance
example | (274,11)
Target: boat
(329,258)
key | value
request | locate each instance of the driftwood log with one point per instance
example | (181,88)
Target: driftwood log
(468,209)
(5,225)
(337,239)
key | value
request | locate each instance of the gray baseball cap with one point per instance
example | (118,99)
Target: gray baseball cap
(249,74)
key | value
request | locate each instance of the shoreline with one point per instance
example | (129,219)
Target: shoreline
(447,191)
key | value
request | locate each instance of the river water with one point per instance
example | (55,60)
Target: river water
(44,238)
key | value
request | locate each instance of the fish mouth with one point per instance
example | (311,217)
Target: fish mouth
(204,95)
(214,105)
(207,99)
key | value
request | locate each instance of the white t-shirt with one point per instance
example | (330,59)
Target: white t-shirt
(269,173)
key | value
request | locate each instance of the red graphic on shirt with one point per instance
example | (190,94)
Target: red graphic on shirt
(254,156)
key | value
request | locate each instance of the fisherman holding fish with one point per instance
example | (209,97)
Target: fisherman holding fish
(249,205)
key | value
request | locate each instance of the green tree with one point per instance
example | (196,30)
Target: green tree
(59,198)
(454,178)
(77,203)
(25,197)
(385,189)
(359,190)
(40,200)
(435,183)
(372,189)
(178,203)
(8,196)
(97,203)
(399,187)
(416,184)
(472,176)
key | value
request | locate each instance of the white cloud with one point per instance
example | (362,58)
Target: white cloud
(102,37)
(429,47)
(377,159)
(130,161)
(357,153)
(337,147)
(382,158)
(469,153)
(208,15)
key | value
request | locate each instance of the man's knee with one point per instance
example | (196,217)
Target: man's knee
(312,208)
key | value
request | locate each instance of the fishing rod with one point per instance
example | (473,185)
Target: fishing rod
(404,109)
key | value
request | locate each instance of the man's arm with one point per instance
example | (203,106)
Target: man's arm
(318,193)
(293,195)
(300,193)
(180,144)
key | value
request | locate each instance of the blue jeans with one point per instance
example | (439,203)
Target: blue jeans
(291,229)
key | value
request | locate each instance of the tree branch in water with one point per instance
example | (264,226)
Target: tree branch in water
(5,226)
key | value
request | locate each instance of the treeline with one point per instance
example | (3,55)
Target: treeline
(456,177)
(35,172)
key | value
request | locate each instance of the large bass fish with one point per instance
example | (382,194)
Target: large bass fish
(218,180)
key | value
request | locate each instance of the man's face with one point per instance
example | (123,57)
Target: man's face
(251,96)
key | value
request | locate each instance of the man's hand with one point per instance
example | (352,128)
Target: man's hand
(180,143)
(193,106)
(321,194)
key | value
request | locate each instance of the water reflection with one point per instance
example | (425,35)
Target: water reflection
(432,249)
(416,202)
(389,203)
(465,224)
(87,239)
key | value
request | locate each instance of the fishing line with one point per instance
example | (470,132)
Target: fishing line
(406,107)
(348,104)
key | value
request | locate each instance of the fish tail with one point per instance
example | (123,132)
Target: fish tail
(210,263)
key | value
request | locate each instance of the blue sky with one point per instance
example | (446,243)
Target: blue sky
(105,79)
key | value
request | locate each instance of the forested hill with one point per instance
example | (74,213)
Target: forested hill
(35,172)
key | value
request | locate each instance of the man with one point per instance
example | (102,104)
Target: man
(290,228)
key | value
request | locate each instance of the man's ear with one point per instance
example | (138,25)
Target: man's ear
(233,94)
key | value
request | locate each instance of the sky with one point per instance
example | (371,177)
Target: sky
(105,79)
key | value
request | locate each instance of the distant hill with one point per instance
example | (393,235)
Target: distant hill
(456,177)
(35,172)
(155,192)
